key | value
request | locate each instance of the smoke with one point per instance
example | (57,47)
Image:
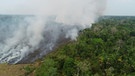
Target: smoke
(53,22)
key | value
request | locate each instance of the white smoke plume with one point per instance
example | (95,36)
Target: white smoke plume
(53,21)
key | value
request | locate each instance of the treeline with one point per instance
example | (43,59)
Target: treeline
(106,49)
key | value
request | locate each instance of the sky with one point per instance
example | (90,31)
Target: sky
(114,7)
(120,7)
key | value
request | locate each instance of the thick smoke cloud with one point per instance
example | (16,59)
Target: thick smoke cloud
(53,22)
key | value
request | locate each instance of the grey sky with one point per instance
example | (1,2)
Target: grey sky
(114,7)
(120,7)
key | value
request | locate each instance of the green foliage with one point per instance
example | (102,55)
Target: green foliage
(47,68)
(28,69)
(132,33)
(106,49)
(69,67)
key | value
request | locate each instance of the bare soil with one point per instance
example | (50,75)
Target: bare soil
(12,70)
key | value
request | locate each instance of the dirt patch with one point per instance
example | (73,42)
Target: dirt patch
(12,70)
